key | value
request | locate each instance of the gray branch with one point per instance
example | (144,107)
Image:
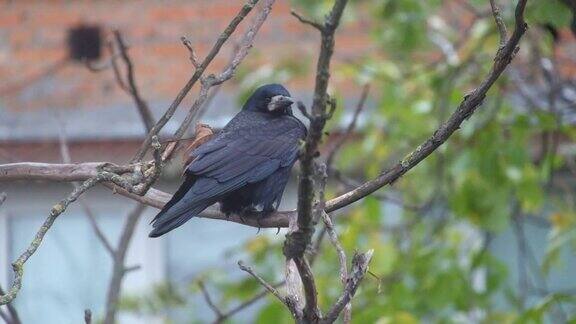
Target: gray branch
(119,269)
(195,77)
(359,268)
(206,83)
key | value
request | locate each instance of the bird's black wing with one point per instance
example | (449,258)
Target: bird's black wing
(242,154)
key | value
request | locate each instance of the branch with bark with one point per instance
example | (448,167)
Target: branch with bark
(157,198)
(138,177)
(135,179)
(130,88)
(297,241)
(195,77)
(210,81)
(119,268)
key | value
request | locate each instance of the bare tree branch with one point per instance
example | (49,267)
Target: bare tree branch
(67,158)
(268,286)
(209,301)
(341,259)
(119,267)
(102,176)
(359,267)
(215,80)
(466,108)
(142,175)
(338,145)
(92,219)
(307,21)
(193,58)
(87,316)
(59,208)
(131,88)
(195,77)
(311,311)
(51,172)
(499,22)
(296,242)
(294,285)
(12,316)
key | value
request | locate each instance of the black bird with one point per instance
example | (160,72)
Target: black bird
(245,167)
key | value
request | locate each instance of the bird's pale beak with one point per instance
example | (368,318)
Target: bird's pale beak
(280,102)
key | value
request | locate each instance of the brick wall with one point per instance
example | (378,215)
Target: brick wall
(33,36)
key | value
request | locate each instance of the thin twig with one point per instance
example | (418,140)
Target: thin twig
(119,269)
(360,263)
(351,126)
(307,21)
(94,224)
(499,22)
(131,88)
(209,301)
(193,58)
(316,245)
(341,259)
(67,158)
(12,316)
(115,68)
(195,77)
(262,282)
(215,80)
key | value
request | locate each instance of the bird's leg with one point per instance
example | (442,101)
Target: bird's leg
(278,230)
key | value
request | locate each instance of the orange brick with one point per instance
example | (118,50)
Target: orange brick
(11,20)
(174,13)
(54,16)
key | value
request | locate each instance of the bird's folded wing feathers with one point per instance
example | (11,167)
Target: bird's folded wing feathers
(251,153)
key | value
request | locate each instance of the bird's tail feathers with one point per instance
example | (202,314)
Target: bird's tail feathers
(178,210)
(184,187)
(175,217)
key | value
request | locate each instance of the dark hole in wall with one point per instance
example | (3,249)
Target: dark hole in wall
(84,43)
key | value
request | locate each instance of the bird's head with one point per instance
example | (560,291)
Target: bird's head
(270,98)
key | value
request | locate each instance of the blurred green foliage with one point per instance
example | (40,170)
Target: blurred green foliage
(431,231)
